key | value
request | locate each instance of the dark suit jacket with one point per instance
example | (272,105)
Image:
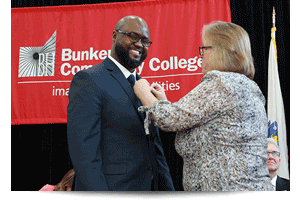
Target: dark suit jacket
(282,184)
(107,142)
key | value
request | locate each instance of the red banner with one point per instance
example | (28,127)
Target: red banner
(50,44)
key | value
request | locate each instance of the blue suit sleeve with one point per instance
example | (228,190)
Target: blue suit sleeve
(84,133)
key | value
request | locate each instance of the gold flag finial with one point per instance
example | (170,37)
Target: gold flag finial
(273,16)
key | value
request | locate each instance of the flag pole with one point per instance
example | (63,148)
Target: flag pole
(273,16)
(273,30)
(273,20)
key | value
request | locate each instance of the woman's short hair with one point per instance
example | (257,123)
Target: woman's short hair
(231,47)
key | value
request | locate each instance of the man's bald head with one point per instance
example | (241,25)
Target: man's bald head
(130,19)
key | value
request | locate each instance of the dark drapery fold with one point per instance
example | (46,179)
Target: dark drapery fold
(39,153)
(248,14)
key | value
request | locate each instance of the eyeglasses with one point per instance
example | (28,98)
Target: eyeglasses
(274,153)
(134,37)
(201,49)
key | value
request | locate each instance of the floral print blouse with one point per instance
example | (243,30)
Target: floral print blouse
(221,134)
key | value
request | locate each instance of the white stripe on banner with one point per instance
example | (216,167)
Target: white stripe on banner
(44,82)
(276,116)
(143,77)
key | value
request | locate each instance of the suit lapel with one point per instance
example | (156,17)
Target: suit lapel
(116,73)
(279,184)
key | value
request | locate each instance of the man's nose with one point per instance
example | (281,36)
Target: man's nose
(270,156)
(139,43)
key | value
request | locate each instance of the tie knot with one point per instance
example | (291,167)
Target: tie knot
(131,80)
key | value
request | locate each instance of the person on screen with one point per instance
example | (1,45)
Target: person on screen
(107,142)
(64,185)
(221,124)
(279,183)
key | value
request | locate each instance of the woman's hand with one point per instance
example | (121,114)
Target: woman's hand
(142,90)
(158,91)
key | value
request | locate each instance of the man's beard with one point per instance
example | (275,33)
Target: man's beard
(126,61)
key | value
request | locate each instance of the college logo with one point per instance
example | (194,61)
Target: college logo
(38,61)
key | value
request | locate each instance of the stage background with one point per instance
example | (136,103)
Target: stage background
(39,152)
(50,44)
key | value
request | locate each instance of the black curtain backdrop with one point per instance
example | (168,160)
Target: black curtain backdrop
(39,153)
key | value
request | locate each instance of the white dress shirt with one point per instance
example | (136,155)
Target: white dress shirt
(123,69)
(273,181)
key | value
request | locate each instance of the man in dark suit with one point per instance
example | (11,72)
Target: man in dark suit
(107,142)
(279,183)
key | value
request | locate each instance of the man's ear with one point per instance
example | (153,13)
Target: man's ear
(114,35)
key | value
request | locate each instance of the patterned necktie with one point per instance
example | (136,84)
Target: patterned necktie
(131,80)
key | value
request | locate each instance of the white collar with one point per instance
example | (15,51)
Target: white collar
(122,68)
(273,181)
